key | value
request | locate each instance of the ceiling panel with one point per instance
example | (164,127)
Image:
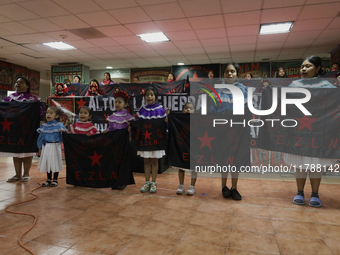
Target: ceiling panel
(164,11)
(240,5)
(243,30)
(115,4)
(17,28)
(242,40)
(116,49)
(242,19)
(279,15)
(320,11)
(307,25)
(308,35)
(113,31)
(143,28)
(102,42)
(213,21)
(92,19)
(242,47)
(42,25)
(214,42)
(44,8)
(148,54)
(94,51)
(188,44)
(196,8)
(163,46)
(269,46)
(151,2)
(217,49)
(191,51)
(68,22)
(272,38)
(173,25)
(335,23)
(16,12)
(128,40)
(79,6)
(211,33)
(181,35)
(130,15)
(167,53)
(286,3)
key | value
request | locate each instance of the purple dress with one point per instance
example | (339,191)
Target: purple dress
(20,97)
(150,112)
(119,120)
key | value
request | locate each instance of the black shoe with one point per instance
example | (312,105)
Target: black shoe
(235,195)
(120,187)
(226,192)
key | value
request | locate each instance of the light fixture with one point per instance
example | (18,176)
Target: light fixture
(109,67)
(180,64)
(59,45)
(276,28)
(154,37)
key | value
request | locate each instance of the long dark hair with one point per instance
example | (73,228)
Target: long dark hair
(277,73)
(237,67)
(26,81)
(108,75)
(317,61)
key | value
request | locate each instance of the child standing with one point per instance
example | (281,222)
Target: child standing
(84,126)
(152,110)
(120,118)
(187,109)
(49,145)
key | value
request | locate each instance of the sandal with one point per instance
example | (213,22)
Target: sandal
(54,183)
(25,178)
(315,202)
(14,179)
(46,183)
(146,187)
(153,187)
(299,200)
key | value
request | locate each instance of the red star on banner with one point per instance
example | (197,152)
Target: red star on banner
(6,125)
(71,95)
(206,140)
(306,122)
(95,158)
(81,103)
(169,92)
(147,135)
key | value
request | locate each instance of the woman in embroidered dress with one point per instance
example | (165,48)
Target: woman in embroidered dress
(22,87)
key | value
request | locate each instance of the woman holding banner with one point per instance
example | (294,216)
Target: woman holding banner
(22,93)
(230,77)
(310,70)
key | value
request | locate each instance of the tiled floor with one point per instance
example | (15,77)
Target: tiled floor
(82,221)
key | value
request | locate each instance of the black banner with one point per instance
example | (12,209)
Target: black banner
(98,161)
(316,135)
(225,143)
(148,135)
(18,124)
(179,140)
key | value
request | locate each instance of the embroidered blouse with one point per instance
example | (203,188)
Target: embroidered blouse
(50,132)
(119,120)
(83,128)
(154,111)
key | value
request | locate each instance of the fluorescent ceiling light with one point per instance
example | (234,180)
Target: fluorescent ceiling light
(59,45)
(276,28)
(154,37)
(180,64)
(109,67)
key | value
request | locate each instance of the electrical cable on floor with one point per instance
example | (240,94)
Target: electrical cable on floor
(28,214)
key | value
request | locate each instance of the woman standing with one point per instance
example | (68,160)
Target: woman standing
(107,79)
(310,70)
(280,73)
(22,93)
(230,77)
